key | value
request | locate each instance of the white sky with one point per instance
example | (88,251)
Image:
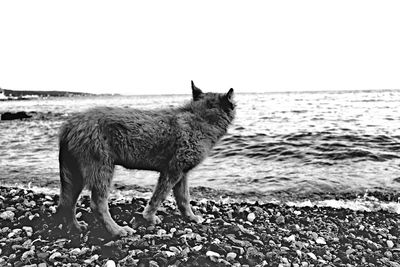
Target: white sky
(150,47)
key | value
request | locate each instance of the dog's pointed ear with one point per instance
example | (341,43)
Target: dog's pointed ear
(228,100)
(196,92)
(229,95)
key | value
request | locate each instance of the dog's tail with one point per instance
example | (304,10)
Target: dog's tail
(70,177)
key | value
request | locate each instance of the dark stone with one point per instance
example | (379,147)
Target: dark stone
(8,116)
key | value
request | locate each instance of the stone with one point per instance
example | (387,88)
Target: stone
(110,263)
(7,215)
(231,256)
(280,220)
(54,256)
(312,256)
(251,217)
(390,244)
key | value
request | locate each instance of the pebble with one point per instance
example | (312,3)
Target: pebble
(28,230)
(75,251)
(251,217)
(161,232)
(197,248)
(168,254)
(231,256)
(7,215)
(312,256)
(55,255)
(280,220)
(390,243)
(109,263)
(320,240)
(27,254)
(212,254)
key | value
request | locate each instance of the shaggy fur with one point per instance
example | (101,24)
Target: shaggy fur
(170,141)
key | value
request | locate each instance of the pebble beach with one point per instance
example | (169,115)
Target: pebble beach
(233,234)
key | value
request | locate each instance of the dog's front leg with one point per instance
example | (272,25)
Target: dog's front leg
(166,182)
(182,197)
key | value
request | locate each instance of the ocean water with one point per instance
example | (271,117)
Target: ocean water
(296,143)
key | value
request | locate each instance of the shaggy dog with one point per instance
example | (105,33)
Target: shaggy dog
(171,141)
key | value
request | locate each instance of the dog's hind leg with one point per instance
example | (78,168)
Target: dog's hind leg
(182,197)
(165,183)
(100,182)
(71,187)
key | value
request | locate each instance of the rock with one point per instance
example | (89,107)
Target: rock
(54,256)
(290,239)
(27,254)
(231,256)
(320,240)
(8,116)
(251,217)
(153,264)
(212,254)
(394,264)
(161,232)
(7,215)
(174,250)
(168,254)
(75,251)
(197,248)
(238,250)
(390,243)
(42,264)
(95,257)
(312,256)
(280,220)
(109,263)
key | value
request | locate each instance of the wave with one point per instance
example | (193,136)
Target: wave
(310,147)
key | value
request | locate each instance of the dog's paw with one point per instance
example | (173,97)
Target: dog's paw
(152,220)
(196,219)
(77,226)
(122,231)
(140,219)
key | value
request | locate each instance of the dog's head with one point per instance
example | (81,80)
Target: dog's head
(215,100)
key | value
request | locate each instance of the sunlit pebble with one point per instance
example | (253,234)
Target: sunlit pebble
(390,244)
(109,263)
(168,254)
(28,230)
(251,217)
(297,212)
(174,250)
(53,209)
(212,254)
(312,256)
(197,248)
(320,241)
(231,256)
(92,259)
(172,230)
(54,256)
(75,251)
(161,232)
(7,215)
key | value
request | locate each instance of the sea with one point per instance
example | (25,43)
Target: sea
(280,144)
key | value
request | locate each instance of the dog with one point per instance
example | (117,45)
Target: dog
(171,141)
